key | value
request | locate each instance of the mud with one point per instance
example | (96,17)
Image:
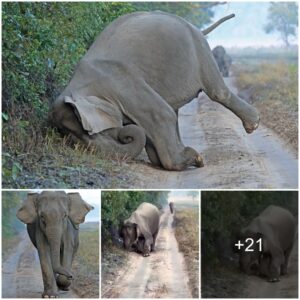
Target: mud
(232,158)
(21,273)
(161,275)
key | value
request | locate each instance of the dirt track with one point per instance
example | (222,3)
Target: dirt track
(232,158)
(21,273)
(161,275)
(287,287)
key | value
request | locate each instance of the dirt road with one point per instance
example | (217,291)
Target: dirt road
(21,273)
(287,287)
(161,275)
(232,158)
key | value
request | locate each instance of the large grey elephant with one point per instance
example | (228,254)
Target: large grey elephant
(53,219)
(223,60)
(140,230)
(126,91)
(276,227)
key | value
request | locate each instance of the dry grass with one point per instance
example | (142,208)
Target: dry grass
(86,265)
(187,234)
(273,88)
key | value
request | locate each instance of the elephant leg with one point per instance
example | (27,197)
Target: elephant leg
(215,88)
(275,267)
(287,254)
(154,241)
(152,154)
(50,287)
(151,112)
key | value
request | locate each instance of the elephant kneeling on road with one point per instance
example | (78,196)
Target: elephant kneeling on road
(53,220)
(126,91)
(273,234)
(140,230)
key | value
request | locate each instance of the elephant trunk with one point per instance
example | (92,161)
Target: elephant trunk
(127,141)
(54,239)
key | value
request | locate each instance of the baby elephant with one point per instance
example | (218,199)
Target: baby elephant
(53,220)
(140,230)
(273,234)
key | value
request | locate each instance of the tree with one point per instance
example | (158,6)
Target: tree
(283,17)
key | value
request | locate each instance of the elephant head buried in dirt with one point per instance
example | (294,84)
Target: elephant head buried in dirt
(140,230)
(53,220)
(276,227)
(126,91)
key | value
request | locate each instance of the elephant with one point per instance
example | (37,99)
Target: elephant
(52,219)
(126,91)
(140,230)
(277,229)
(222,59)
(171,205)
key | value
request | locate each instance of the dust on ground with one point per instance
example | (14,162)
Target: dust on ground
(161,275)
(232,158)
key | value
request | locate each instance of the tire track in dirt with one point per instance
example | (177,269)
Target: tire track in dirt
(287,287)
(232,158)
(161,275)
(21,273)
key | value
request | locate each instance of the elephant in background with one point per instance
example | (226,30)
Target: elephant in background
(171,205)
(126,91)
(52,220)
(223,60)
(277,228)
(140,230)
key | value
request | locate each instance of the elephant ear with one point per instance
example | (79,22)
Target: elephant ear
(94,113)
(27,213)
(78,209)
(142,227)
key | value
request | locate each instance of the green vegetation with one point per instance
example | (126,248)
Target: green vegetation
(86,263)
(186,223)
(41,44)
(11,226)
(283,17)
(117,206)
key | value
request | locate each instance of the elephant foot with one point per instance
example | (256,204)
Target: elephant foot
(49,294)
(63,282)
(250,127)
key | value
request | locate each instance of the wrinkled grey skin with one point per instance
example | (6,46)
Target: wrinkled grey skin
(223,60)
(53,220)
(137,74)
(277,228)
(140,230)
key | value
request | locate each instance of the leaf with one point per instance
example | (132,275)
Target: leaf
(16,168)
(5,116)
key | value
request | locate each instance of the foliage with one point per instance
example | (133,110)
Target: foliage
(225,213)
(11,201)
(41,43)
(117,206)
(198,13)
(283,17)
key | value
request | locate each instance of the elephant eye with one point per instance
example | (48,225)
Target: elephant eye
(43,219)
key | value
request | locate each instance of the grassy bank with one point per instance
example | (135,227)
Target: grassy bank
(273,88)
(186,223)
(86,264)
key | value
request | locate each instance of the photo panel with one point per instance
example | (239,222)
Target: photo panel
(249,244)
(50,244)
(150,244)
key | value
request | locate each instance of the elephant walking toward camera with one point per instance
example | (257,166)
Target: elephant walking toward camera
(53,220)
(140,230)
(277,229)
(126,91)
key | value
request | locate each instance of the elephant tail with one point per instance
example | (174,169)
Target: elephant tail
(213,26)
